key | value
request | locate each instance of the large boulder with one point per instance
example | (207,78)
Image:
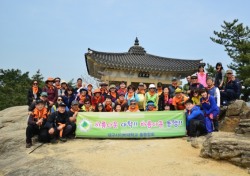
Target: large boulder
(244,127)
(229,147)
(231,116)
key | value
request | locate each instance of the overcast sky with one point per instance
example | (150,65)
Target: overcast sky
(54,35)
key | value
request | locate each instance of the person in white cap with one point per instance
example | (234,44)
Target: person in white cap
(151,95)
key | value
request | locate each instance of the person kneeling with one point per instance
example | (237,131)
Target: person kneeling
(196,125)
(59,124)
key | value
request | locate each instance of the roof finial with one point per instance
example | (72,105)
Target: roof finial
(136,41)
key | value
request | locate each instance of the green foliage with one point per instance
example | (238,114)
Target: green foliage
(236,40)
(210,70)
(13,88)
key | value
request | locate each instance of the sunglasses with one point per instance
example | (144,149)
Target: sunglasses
(59,99)
(133,103)
(87,103)
(34,83)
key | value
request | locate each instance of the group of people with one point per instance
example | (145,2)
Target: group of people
(53,108)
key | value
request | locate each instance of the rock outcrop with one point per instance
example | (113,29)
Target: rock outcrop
(228,146)
(232,116)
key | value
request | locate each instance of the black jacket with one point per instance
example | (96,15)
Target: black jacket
(57,117)
(31,97)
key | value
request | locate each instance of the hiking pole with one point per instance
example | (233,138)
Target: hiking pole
(36,148)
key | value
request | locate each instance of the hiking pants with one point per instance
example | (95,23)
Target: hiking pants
(32,130)
(196,128)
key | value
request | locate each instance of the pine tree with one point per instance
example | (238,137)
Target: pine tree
(236,40)
(13,88)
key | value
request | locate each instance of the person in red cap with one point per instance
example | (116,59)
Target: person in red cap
(51,91)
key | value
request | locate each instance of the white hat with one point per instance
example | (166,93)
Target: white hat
(63,81)
(151,86)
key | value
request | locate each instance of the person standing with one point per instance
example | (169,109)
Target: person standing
(34,92)
(51,91)
(219,76)
(202,76)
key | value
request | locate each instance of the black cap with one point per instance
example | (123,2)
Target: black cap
(159,84)
(174,79)
(39,101)
(62,104)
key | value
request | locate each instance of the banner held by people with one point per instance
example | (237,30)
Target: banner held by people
(131,125)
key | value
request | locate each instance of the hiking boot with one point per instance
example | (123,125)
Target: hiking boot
(53,141)
(28,145)
(194,143)
(62,139)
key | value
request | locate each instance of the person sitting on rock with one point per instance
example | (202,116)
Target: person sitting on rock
(97,98)
(121,101)
(99,108)
(133,107)
(179,100)
(196,125)
(55,106)
(87,106)
(108,104)
(59,125)
(36,123)
(231,89)
(44,98)
(73,113)
(211,110)
(150,106)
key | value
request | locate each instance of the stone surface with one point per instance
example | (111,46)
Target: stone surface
(94,157)
(229,147)
(244,127)
(231,116)
(236,108)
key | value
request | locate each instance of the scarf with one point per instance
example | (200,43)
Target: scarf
(50,86)
(108,108)
(82,97)
(159,91)
(210,87)
(166,98)
(205,100)
(113,94)
(121,102)
(103,91)
(130,95)
(133,110)
(58,86)
(151,93)
(35,89)
(40,113)
(141,92)
(72,110)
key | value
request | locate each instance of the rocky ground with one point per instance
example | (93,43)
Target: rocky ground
(169,156)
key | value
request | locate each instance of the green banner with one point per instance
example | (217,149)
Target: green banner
(131,125)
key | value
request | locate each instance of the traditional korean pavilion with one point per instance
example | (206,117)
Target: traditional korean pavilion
(137,66)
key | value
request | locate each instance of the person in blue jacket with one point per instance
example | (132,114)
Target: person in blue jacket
(210,108)
(195,120)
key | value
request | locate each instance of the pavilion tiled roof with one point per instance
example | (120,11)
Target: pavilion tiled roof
(137,59)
